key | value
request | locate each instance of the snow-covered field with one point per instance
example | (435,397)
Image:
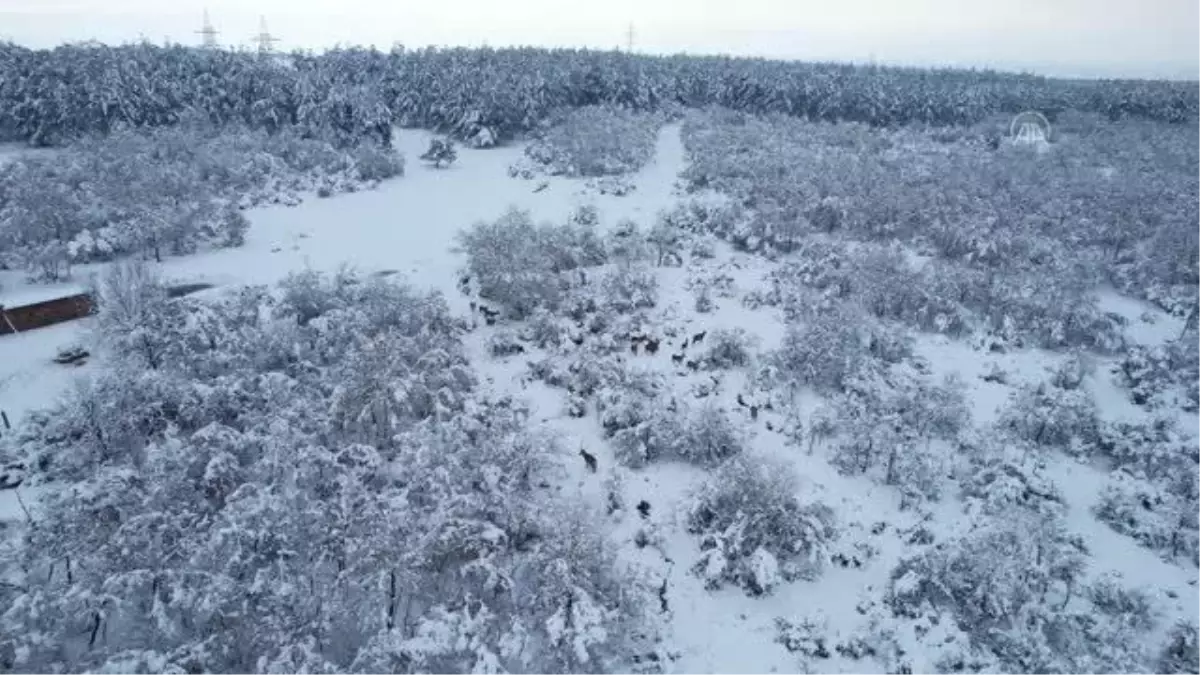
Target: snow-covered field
(409,225)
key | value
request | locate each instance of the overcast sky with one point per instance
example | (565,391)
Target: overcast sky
(1107,38)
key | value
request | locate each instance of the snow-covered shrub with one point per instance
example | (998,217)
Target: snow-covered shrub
(994,597)
(376,163)
(135,318)
(823,350)
(754,531)
(1130,606)
(595,141)
(309,294)
(728,348)
(998,486)
(1150,373)
(618,186)
(505,343)
(888,423)
(441,152)
(629,287)
(1157,451)
(667,242)
(1181,654)
(720,220)
(628,399)
(709,437)
(656,438)
(806,636)
(643,424)
(1048,416)
(507,265)
(703,248)
(524,266)
(1144,371)
(233,226)
(626,243)
(1161,519)
(544,329)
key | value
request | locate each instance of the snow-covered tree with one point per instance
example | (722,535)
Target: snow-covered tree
(754,530)
(441,153)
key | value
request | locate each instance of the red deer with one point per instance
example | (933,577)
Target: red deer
(589,459)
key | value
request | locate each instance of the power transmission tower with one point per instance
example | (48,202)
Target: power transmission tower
(264,39)
(629,38)
(208,33)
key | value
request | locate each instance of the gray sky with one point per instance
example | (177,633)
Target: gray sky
(1108,38)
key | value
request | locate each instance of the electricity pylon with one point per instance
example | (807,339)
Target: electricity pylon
(208,33)
(264,39)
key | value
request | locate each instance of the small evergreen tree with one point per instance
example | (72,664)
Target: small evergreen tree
(440,153)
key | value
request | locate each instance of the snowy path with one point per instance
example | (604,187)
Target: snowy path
(409,224)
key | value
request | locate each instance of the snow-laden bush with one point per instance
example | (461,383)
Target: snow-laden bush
(629,287)
(728,348)
(629,399)
(886,425)
(524,266)
(1160,518)
(441,152)
(1131,606)
(667,242)
(505,343)
(544,329)
(654,439)
(1008,584)
(1028,270)
(754,531)
(704,303)
(709,437)
(1050,417)
(1181,654)
(647,425)
(997,486)
(595,141)
(135,317)
(824,349)
(1157,450)
(1152,374)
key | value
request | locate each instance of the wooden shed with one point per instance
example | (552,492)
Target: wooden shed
(44,313)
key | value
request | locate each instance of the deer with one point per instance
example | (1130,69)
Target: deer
(589,459)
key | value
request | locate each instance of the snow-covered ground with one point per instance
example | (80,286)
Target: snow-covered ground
(409,225)
(10,151)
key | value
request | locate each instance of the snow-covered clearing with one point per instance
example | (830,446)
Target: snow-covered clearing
(409,225)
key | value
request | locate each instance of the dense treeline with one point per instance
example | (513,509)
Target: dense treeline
(47,96)
(165,191)
(1113,203)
